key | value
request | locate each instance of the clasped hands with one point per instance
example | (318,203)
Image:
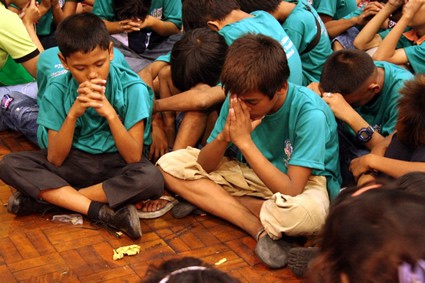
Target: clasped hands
(239,126)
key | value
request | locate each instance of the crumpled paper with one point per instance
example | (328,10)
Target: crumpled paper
(126,250)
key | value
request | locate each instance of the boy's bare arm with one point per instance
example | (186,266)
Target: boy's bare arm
(90,94)
(151,71)
(240,129)
(163,28)
(344,112)
(387,50)
(368,36)
(198,98)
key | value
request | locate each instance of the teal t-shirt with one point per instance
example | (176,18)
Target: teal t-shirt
(416,56)
(165,10)
(335,8)
(264,23)
(301,133)
(131,98)
(164,58)
(302,29)
(382,112)
(49,66)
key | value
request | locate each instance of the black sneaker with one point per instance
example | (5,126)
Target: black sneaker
(21,205)
(125,219)
(299,257)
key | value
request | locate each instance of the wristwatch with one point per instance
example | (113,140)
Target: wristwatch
(365,134)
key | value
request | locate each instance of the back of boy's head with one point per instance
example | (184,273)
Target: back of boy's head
(186,269)
(346,70)
(255,5)
(130,9)
(197,57)
(411,115)
(81,32)
(255,63)
(197,13)
(367,237)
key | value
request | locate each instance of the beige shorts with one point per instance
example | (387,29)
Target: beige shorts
(303,214)
(235,177)
(300,215)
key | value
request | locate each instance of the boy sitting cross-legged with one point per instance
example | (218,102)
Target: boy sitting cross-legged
(94,126)
(288,167)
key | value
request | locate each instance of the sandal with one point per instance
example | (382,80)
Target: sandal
(171,202)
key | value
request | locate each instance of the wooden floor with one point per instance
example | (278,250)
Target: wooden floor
(35,249)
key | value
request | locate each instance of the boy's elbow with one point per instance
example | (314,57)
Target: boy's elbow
(55,161)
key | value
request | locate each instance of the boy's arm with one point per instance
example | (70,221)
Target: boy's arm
(60,142)
(387,50)
(344,112)
(151,71)
(163,28)
(368,36)
(198,98)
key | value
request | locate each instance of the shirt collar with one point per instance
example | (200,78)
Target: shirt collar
(412,35)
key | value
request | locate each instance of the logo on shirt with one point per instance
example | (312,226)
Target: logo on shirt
(288,151)
(157,13)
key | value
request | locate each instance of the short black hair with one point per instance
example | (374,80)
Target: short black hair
(197,13)
(255,5)
(81,32)
(255,63)
(197,57)
(346,70)
(129,9)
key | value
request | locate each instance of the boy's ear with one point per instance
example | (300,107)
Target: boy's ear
(63,61)
(374,88)
(214,25)
(111,51)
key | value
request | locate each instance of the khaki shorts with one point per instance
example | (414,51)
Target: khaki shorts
(300,215)
(235,177)
(303,214)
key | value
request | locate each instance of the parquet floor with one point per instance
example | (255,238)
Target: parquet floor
(35,249)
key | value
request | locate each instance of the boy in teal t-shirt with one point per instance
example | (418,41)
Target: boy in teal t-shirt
(232,23)
(142,30)
(288,167)
(363,95)
(94,120)
(305,29)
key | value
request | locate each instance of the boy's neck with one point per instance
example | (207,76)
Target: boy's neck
(233,17)
(282,12)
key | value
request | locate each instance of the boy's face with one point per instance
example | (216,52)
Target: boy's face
(87,66)
(260,104)
(365,93)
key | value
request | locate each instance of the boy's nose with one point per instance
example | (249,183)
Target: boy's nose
(93,75)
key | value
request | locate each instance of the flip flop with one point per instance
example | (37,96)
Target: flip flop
(171,202)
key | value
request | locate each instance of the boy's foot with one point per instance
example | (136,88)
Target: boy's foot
(274,253)
(184,208)
(299,257)
(21,205)
(125,219)
(156,208)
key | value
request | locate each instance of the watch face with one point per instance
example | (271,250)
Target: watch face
(364,135)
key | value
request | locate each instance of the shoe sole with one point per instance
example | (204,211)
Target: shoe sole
(135,222)
(299,258)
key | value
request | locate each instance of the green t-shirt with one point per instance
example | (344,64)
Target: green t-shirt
(13,73)
(302,29)
(382,112)
(131,98)
(335,8)
(264,23)
(301,133)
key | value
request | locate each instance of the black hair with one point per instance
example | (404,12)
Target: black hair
(249,6)
(208,274)
(81,32)
(129,9)
(197,13)
(197,57)
(411,115)
(346,70)
(255,63)
(367,237)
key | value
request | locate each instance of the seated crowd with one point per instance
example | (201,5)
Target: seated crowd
(296,117)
